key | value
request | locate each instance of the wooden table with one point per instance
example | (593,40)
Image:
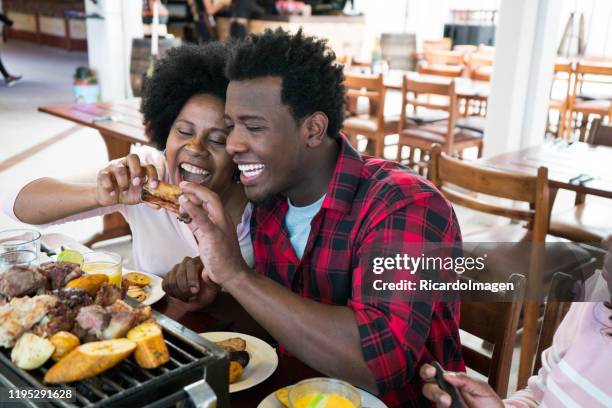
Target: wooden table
(228,315)
(564,162)
(464,87)
(120,125)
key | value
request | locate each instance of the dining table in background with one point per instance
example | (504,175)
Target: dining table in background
(565,162)
(465,88)
(120,125)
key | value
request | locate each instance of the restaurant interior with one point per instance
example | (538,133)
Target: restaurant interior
(505,106)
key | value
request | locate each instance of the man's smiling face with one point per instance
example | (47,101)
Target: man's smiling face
(264,140)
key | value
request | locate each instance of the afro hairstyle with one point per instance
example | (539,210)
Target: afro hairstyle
(311,81)
(185,71)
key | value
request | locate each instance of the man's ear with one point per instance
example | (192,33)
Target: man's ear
(315,128)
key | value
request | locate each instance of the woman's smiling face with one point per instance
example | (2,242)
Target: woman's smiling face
(195,149)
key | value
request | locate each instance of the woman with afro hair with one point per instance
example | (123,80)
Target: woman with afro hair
(183,106)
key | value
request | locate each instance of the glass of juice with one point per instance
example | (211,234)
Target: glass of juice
(325,393)
(107,263)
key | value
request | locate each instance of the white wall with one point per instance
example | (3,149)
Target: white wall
(109,44)
(426,18)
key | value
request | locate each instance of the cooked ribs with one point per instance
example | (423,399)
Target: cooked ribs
(60,273)
(19,281)
(21,314)
(108,295)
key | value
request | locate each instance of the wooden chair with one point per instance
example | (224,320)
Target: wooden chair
(373,124)
(480,66)
(487,49)
(443,44)
(560,297)
(452,139)
(494,321)
(443,63)
(466,49)
(589,73)
(563,75)
(461,183)
(586,222)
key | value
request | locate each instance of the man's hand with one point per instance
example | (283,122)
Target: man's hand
(185,282)
(217,240)
(475,393)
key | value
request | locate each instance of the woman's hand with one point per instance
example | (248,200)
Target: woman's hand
(186,282)
(122,180)
(475,393)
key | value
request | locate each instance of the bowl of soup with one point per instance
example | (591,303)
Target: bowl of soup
(324,393)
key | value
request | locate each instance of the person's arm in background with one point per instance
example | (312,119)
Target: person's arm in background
(47,200)
(213,7)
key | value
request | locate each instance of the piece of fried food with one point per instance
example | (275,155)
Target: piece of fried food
(89,359)
(138,293)
(232,344)
(135,279)
(89,283)
(64,343)
(235,371)
(282,396)
(151,351)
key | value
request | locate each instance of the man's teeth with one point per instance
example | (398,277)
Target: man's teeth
(193,169)
(251,170)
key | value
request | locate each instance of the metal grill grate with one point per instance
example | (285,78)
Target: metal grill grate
(190,356)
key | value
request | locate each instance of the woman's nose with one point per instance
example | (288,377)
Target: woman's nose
(197,145)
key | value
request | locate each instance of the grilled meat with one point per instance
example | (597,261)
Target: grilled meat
(108,295)
(112,322)
(61,317)
(19,281)
(21,314)
(74,298)
(93,319)
(60,273)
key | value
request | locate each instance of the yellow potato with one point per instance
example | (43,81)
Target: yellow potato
(64,343)
(138,293)
(151,351)
(235,371)
(89,283)
(135,279)
(31,351)
(282,396)
(89,360)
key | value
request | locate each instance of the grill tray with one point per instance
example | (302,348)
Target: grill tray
(192,358)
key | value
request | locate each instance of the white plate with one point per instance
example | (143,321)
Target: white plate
(367,401)
(262,359)
(154,289)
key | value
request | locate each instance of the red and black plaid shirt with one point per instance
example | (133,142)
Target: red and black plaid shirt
(370,204)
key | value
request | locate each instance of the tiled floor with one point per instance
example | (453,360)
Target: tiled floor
(35,144)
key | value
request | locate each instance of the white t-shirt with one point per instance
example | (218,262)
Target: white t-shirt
(159,240)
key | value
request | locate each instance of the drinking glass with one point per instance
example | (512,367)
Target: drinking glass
(20,240)
(19,257)
(107,263)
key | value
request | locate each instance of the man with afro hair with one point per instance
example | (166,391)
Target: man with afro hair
(322,211)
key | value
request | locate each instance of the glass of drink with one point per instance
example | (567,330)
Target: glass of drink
(20,239)
(17,257)
(107,263)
